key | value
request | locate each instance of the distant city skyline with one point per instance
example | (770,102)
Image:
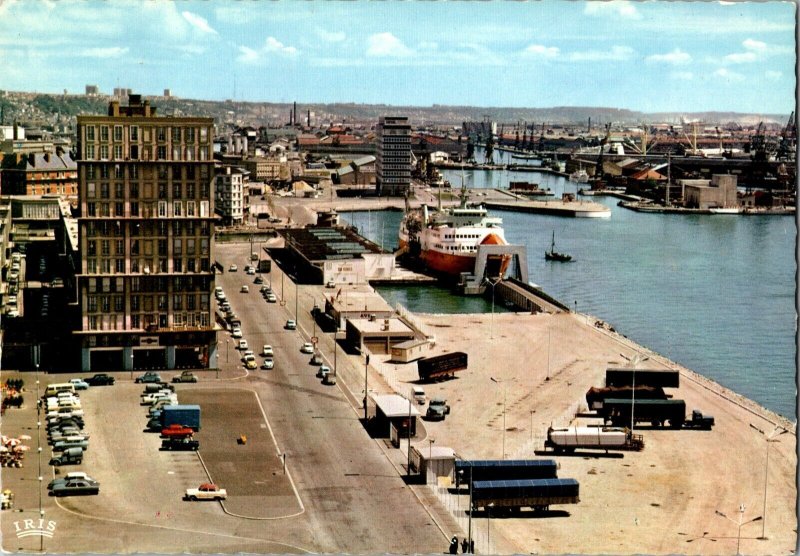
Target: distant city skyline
(650,56)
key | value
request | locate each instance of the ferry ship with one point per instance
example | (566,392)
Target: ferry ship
(447,240)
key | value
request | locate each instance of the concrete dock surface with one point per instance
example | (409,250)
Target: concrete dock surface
(527,372)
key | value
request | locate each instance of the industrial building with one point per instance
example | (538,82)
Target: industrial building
(719,192)
(393,163)
(146,231)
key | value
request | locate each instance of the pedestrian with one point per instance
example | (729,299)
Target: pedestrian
(472,546)
(464,545)
(454,545)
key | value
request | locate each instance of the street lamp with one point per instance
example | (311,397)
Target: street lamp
(498,381)
(770,439)
(635,360)
(739,524)
(366,368)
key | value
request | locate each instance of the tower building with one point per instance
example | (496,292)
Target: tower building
(393,163)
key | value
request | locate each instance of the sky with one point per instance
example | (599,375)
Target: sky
(648,56)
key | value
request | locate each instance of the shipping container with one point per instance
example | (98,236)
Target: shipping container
(488,470)
(643,377)
(657,412)
(596,396)
(538,494)
(441,366)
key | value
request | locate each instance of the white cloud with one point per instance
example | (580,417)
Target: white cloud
(740,57)
(773,75)
(198,22)
(330,36)
(272,47)
(386,45)
(676,57)
(541,51)
(105,52)
(616,53)
(682,75)
(617,8)
(751,44)
(729,75)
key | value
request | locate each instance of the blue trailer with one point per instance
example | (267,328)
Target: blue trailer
(512,495)
(186,415)
(490,470)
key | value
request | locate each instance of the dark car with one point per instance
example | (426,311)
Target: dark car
(73,476)
(149,377)
(76,487)
(100,380)
(180,444)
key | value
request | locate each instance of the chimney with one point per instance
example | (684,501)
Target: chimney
(47,157)
(294,113)
(113,108)
(308,119)
(16,131)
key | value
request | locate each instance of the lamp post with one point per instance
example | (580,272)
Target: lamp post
(498,381)
(770,439)
(492,282)
(296,296)
(634,361)
(335,342)
(739,524)
(228,350)
(408,461)
(366,368)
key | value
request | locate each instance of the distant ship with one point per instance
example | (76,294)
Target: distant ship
(447,240)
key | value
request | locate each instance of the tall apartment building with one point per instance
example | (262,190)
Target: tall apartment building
(229,195)
(393,163)
(146,229)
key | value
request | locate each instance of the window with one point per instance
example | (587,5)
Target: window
(162,208)
(134,208)
(190,302)
(203,134)
(176,134)
(161,153)
(91,267)
(190,265)
(119,303)
(92,304)
(89,152)
(89,171)
(104,172)
(117,152)
(177,265)
(134,132)
(134,247)
(177,208)
(176,190)
(105,304)
(190,246)
(119,190)
(190,135)
(190,190)
(117,133)
(161,134)
(90,133)
(177,246)
(90,190)
(176,153)
(190,208)
(134,303)
(204,246)
(105,266)
(190,173)
(104,190)
(104,152)
(135,321)
(177,302)
(162,302)
(104,133)
(162,247)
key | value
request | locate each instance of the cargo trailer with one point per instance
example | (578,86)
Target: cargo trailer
(593,438)
(657,412)
(643,377)
(489,470)
(596,396)
(441,366)
(513,495)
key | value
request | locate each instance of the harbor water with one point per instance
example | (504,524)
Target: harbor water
(715,293)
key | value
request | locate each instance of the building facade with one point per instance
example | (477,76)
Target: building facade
(393,163)
(43,173)
(145,229)
(229,195)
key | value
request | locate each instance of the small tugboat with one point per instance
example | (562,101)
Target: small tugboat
(553,255)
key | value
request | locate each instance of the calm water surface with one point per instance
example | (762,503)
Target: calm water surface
(714,293)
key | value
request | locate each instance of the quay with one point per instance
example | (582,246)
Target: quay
(576,209)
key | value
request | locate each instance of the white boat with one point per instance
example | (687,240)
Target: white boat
(579,176)
(725,210)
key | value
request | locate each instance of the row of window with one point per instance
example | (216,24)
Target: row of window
(149,284)
(117,152)
(146,266)
(146,228)
(160,209)
(161,133)
(147,171)
(461,248)
(179,190)
(180,246)
(162,302)
(462,236)
(144,321)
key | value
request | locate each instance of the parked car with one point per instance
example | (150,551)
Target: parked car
(71,476)
(65,412)
(245,289)
(258,280)
(101,379)
(248,354)
(233,268)
(250,364)
(71,456)
(330,284)
(307,347)
(206,491)
(180,444)
(291,324)
(218,292)
(323,371)
(236,332)
(267,351)
(149,376)
(63,445)
(264,290)
(329,379)
(437,409)
(177,431)
(316,359)
(251,271)
(76,487)
(185,376)
(268,364)
(242,345)
(271,298)
(79,383)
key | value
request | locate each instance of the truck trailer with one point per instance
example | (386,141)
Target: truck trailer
(441,366)
(657,412)
(593,438)
(492,469)
(513,495)
(186,415)
(643,377)
(596,396)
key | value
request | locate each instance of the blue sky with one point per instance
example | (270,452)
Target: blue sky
(649,56)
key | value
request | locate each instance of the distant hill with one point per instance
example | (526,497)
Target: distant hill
(35,109)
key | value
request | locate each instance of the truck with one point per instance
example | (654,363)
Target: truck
(265,265)
(568,439)
(514,494)
(643,377)
(441,366)
(699,421)
(657,412)
(596,396)
(186,415)
(437,409)
(494,470)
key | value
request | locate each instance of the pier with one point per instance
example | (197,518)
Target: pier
(575,209)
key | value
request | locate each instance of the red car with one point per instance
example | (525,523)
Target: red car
(177,431)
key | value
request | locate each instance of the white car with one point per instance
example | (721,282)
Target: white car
(233,268)
(242,345)
(271,298)
(248,353)
(245,289)
(65,412)
(268,364)
(267,351)
(291,324)
(236,332)
(79,383)
(308,347)
(251,270)
(206,491)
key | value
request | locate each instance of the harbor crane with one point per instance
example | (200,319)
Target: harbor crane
(788,145)
(598,172)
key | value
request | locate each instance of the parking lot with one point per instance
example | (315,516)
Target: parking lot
(339,493)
